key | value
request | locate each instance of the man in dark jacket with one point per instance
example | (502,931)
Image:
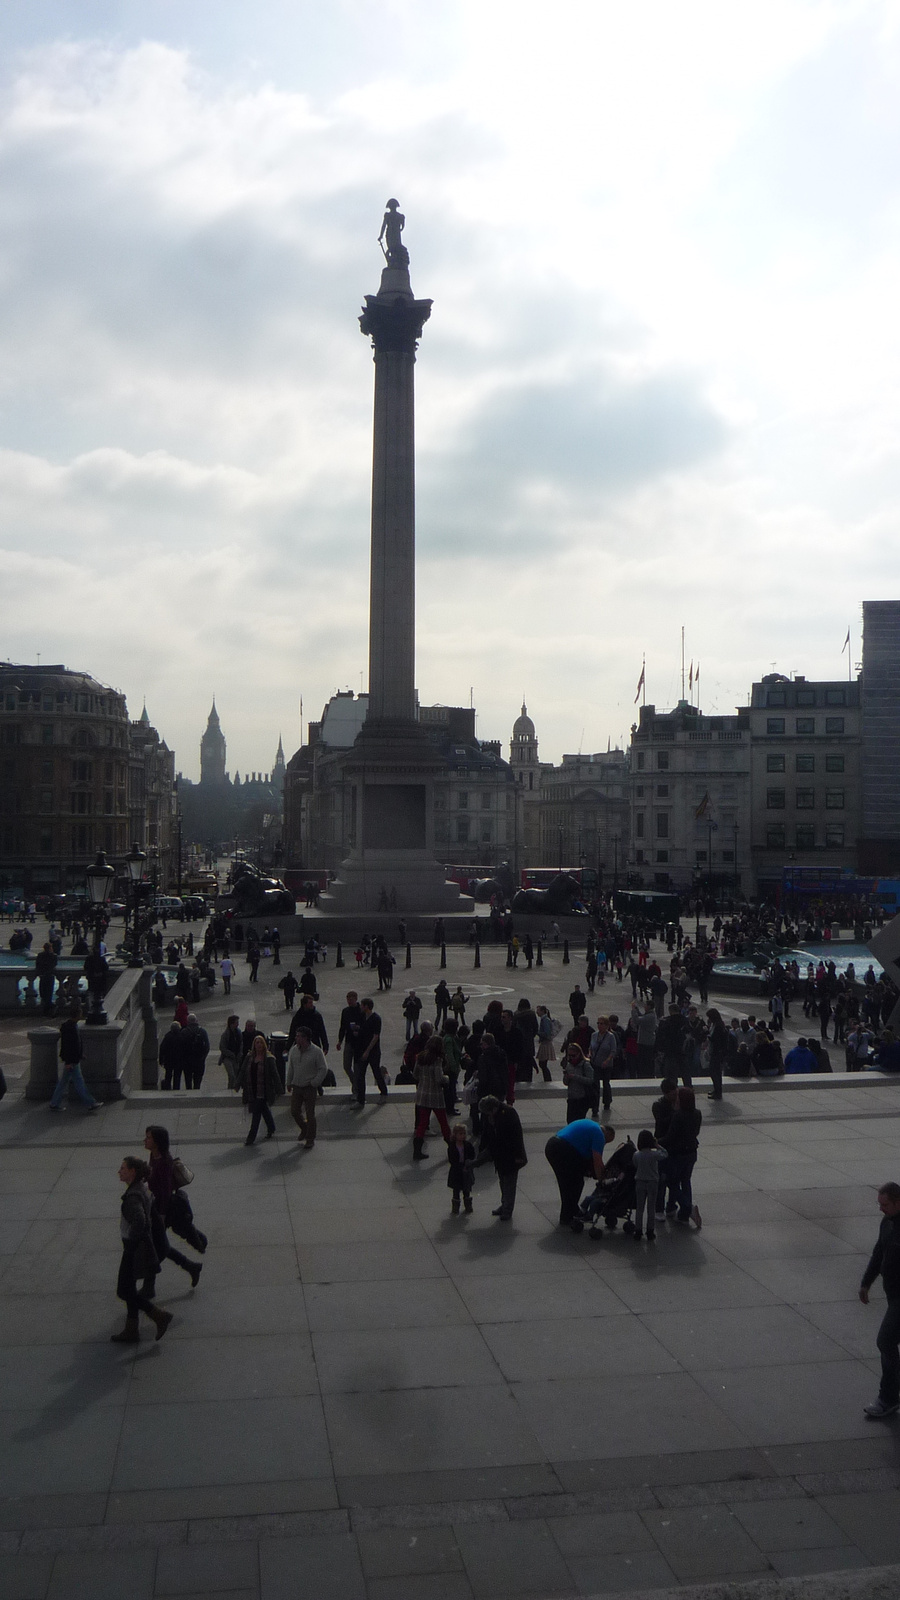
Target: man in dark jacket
(309,1017)
(193,1049)
(170,1057)
(502,1142)
(70,1054)
(670,1037)
(367,1053)
(45,972)
(885,1263)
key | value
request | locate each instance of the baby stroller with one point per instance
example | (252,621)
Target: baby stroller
(614,1195)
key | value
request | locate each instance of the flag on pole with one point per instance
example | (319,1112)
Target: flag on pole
(846,643)
(691,679)
(703,807)
(640,684)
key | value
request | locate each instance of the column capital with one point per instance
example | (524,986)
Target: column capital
(394,324)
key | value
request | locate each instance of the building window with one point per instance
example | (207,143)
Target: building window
(486,800)
(640,761)
(82,771)
(701,857)
(774,838)
(662,825)
(46,799)
(509,801)
(834,799)
(485,833)
(835,697)
(805,800)
(531,780)
(834,763)
(728,855)
(462,830)
(46,772)
(639,824)
(46,842)
(775,725)
(639,791)
(805,763)
(662,790)
(776,697)
(108,801)
(834,724)
(774,763)
(462,799)
(775,799)
(806,836)
(662,760)
(47,733)
(806,697)
(834,835)
(639,857)
(662,856)
(806,724)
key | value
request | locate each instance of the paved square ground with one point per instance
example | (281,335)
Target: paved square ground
(366,1396)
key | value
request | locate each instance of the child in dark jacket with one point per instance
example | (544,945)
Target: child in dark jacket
(461,1176)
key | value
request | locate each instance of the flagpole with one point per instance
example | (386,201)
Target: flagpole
(644,679)
(682,663)
(849,658)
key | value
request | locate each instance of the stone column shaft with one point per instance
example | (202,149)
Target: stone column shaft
(392,601)
(393,320)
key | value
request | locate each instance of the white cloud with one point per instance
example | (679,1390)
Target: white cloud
(659,384)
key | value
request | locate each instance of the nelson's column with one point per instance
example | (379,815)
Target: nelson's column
(391,768)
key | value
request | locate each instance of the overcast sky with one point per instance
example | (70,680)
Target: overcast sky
(659,386)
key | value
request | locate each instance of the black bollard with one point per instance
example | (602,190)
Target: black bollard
(340,955)
(509,955)
(408,956)
(443,960)
(477,954)
(565,953)
(539,958)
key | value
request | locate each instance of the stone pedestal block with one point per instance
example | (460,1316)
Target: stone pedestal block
(44,1073)
(100,1065)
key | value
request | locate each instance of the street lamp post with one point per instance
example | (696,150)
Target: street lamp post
(99,879)
(615,845)
(135,861)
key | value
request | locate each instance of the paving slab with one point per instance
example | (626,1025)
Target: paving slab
(371,1398)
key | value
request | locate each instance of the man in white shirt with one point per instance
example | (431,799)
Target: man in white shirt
(304,1076)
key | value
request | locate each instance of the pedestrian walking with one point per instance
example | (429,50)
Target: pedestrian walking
(545,1049)
(260,1086)
(139,1258)
(70,1078)
(367,1053)
(503,1143)
(412,1006)
(164,1179)
(230,1050)
(461,1173)
(578,1076)
(884,1263)
(681,1142)
(430,1081)
(649,1158)
(304,1075)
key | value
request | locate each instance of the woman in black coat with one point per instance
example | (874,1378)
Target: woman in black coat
(139,1258)
(681,1142)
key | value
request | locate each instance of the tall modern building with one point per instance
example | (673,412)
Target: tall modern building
(879,849)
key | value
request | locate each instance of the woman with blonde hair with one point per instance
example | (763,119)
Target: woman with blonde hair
(258,1081)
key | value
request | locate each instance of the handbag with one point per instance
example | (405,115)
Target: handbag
(469,1094)
(181,1175)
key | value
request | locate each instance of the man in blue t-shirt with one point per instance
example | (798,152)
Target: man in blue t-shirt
(575,1153)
